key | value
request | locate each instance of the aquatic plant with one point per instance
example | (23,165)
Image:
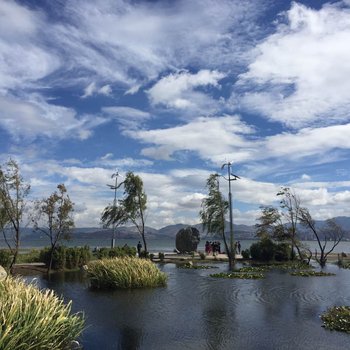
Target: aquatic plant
(125,272)
(311,273)
(32,319)
(241,275)
(252,269)
(337,318)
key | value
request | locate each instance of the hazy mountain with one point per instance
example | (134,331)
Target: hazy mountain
(240,231)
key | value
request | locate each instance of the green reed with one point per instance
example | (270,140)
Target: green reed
(125,272)
(32,319)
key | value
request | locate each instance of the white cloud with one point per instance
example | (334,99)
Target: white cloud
(178,90)
(92,90)
(211,138)
(129,118)
(32,116)
(302,67)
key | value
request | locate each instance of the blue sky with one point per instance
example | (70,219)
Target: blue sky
(171,90)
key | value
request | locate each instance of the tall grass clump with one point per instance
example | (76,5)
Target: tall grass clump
(125,272)
(31,319)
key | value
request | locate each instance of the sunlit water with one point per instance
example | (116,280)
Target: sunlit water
(196,311)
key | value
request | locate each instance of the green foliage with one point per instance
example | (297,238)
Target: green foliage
(337,318)
(214,208)
(252,269)
(13,193)
(282,251)
(263,250)
(28,257)
(31,319)
(5,258)
(311,274)
(126,272)
(144,255)
(240,275)
(66,258)
(246,254)
(116,252)
(161,256)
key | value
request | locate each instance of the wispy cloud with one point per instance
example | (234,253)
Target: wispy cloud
(300,69)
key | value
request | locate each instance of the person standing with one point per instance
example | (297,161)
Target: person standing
(239,247)
(139,247)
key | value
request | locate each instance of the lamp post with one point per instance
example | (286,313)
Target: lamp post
(231,177)
(114,187)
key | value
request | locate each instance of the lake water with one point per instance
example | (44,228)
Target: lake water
(196,311)
(153,245)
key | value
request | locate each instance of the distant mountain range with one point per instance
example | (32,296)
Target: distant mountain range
(169,232)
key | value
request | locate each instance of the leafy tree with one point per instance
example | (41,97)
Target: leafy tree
(53,217)
(213,212)
(270,224)
(13,193)
(332,233)
(134,203)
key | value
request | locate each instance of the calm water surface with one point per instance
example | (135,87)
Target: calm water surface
(196,311)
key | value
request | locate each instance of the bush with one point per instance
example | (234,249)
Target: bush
(144,255)
(282,252)
(29,257)
(5,258)
(127,272)
(116,252)
(31,319)
(66,258)
(161,256)
(246,254)
(263,250)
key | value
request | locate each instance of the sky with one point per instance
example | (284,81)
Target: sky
(171,90)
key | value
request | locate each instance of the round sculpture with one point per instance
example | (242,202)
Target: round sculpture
(187,240)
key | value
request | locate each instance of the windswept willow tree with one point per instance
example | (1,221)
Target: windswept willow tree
(131,208)
(54,217)
(135,203)
(214,210)
(13,193)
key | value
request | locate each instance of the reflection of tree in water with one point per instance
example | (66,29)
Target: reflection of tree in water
(129,338)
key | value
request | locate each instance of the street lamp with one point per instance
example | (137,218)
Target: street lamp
(114,187)
(231,177)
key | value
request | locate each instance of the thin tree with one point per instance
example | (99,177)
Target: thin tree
(134,203)
(213,212)
(13,193)
(54,217)
(332,234)
(290,205)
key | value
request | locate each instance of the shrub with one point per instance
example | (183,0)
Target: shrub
(127,272)
(144,255)
(263,250)
(5,258)
(66,258)
(246,254)
(31,319)
(29,257)
(116,252)
(161,256)
(282,252)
